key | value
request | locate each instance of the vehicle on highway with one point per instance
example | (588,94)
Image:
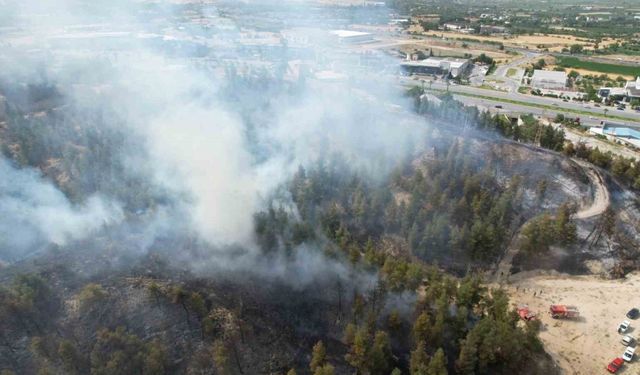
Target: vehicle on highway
(633,313)
(628,354)
(628,340)
(624,326)
(499,106)
(565,100)
(615,365)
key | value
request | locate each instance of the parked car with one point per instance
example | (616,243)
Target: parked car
(628,340)
(499,106)
(615,365)
(628,354)
(624,326)
(596,105)
(633,313)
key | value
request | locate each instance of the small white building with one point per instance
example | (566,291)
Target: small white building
(452,26)
(352,37)
(547,79)
(632,89)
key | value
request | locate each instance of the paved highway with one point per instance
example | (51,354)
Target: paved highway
(509,108)
(632,117)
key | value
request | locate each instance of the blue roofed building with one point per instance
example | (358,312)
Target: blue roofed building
(618,132)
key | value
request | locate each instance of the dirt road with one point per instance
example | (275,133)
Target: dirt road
(584,346)
(601,201)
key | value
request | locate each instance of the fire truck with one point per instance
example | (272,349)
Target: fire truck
(563,311)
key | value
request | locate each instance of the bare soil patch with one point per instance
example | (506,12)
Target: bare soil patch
(586,345)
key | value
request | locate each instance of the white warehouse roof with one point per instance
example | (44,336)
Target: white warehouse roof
(435,62)
(348,33)
(549,76)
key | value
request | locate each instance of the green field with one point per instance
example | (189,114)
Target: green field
(574,62)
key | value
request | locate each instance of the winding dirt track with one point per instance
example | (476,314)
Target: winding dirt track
(583,346)
(601,201)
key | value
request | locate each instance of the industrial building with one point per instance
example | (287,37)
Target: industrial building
(546,79)
(352,37)
(437,66)
(490,29)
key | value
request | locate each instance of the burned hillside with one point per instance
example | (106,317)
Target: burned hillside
(188,307)
(153,318)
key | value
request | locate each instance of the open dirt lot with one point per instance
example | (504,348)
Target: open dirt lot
(583,346)
(453,49)
(554,43)
(585,72)
(439,47)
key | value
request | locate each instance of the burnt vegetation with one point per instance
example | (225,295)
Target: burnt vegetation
(412,243)
(152,325)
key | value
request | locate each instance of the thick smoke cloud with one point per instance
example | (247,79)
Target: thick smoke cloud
(203,153)
(195,144)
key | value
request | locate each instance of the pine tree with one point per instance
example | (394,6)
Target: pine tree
(318,356)
(343,237)
(419,361)
(468,358)
(357,356)
(327,369)
(349,334)
(221,358)
(71,360)
(422,328)
(438,364)
(354,254)
(394,323)
(381,356)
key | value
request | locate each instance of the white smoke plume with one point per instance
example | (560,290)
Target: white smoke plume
(196,146)
(35,213)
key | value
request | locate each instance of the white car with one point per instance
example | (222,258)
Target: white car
(628,340)
(628,354)
(624,326)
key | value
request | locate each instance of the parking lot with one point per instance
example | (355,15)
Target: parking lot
(584,346)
